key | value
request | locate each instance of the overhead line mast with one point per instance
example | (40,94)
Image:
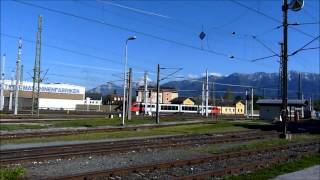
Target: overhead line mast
(37,71)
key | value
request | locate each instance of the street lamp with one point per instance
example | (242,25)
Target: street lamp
(125,80)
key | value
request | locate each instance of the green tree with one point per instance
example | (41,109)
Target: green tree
(238,98)
(228,95)
(107,99)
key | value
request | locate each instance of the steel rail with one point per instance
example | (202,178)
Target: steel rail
(189,162)
(46,154)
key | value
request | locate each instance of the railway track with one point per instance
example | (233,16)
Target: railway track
(54,152)
(207,167)
(7,136)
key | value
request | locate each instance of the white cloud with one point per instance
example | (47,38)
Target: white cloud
(213,74)
(192,76)
(140,81)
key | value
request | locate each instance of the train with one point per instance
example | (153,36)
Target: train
(174,108)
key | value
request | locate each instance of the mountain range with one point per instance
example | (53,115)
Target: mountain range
(266,84)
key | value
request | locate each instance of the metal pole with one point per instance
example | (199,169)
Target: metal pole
(284,111)
(202,99)
(246,110)
(145,92)
(11,92)
(158,90)
(207,92)
(124,84)
(213,95)
(36,71)
(2,82)
(251,102)
(130,94)
(18,66)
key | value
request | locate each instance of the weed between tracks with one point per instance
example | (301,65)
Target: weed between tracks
(12,127)
(12,173)
(102,121)
(254,144)
(276,170)
(173,130)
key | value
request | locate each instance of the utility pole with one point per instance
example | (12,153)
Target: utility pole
(36,71)
(158,90)
(246,110)
(280,88)
(130,93)
(21,74)
(284,110)
(252,103)
(18,68)
(145,92)
(299,87)
(11,92)
(213,95)
(2,82)
(207,92)
(202,99)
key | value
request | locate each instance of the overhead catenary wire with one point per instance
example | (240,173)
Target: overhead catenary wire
(269,17)
(264,45)
(121,28)
(72,51)
(300,49)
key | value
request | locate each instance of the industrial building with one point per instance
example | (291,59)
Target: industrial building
(54,96)
(270,109)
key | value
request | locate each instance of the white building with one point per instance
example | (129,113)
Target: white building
(54,96)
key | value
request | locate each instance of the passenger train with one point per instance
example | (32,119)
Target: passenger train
(174,108)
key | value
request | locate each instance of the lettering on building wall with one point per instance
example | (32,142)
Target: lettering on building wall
(43,89)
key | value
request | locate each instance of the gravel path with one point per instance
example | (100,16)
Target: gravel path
(61,167)
(170,173)
(311,173)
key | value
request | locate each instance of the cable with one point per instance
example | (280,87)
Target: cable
(255,38)
(269,17)
(132,17)
(300,49)
(171,74)
(254,60)
(149,13)
(71,51)
(121,28)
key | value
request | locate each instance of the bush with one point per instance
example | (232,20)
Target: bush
(12,174)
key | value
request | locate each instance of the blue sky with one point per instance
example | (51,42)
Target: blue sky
(178,21)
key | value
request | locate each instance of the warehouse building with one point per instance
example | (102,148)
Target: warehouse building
(270,109)
(54,96)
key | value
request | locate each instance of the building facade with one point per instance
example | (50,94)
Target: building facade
(53,96)
(270,109)
(165,95)
(183,100)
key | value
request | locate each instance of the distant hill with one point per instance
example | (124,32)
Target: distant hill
(192,88)
(310,84)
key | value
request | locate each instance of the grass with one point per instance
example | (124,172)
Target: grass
(102,121)
(276,170)
(12,173)
(95,122)
(255,144)
(13,127)
(172,130)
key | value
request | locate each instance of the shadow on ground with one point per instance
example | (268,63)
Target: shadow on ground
(307,126)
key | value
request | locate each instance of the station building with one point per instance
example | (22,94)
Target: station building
(53,96)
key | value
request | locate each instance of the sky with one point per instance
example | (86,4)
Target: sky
(83,42)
